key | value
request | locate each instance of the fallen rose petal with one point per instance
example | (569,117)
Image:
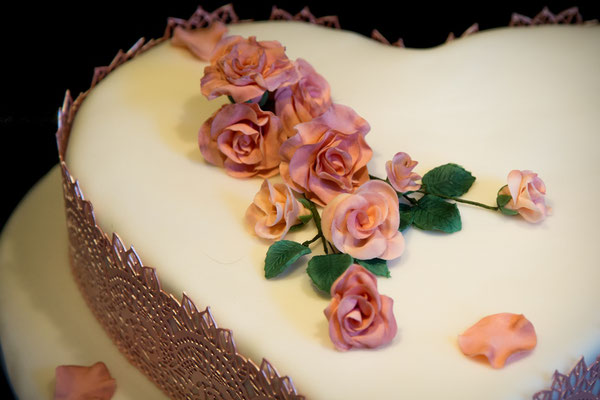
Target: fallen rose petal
(74,382)
(200,42)
(497,337)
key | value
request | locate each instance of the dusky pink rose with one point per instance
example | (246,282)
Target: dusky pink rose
(328,155)
(274,211)
(400,175)
(359,317)
(200,42)
(245,68)
(244,139)
(303,101)
(75,382)
(527,192)
(365,224)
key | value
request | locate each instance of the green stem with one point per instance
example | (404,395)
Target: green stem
(386,180)
(317,218)
(410,199)
(376,178)
(309,242)
(459,200)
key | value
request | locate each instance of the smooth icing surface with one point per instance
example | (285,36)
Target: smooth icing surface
(519,98)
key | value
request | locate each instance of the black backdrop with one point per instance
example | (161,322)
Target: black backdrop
(51,47)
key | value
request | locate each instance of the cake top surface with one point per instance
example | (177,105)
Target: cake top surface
(499,100)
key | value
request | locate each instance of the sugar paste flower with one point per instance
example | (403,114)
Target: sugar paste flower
(74,382)
(243,139)
(400,175)
(200,42)
(365,224)
(274,211)
(303,101)
(328,155)
(245,68)
(359,317)
(528,195)
(497,337)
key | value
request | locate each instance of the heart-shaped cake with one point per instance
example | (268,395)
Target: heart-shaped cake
(503,99)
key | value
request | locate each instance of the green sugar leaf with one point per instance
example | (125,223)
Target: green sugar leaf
(503,199)
(324,270)
(434,213)
(305,219)
(507,211)
(376,265)
(407,216)
(450,180)
(281,255)
(263,100)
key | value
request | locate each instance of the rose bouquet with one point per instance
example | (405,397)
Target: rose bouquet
(282,120)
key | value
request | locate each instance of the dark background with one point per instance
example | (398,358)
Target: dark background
(54,46)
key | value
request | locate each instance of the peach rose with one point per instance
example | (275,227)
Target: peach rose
(365,224)
(400,175)
(527,191)
(244,69)
(327,156)
(359,317)
(243,139)
(274,211)
(200,42)
(303,101)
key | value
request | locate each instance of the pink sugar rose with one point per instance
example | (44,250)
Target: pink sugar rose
(303,101)
(527,191)
(244,69)
(359,317)
(327,156)
(200,42)
(274,211)
(243,139)
(400,175)
(365,224)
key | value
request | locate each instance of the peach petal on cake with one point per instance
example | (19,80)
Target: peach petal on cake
(400,175)
(243,139)
(75,382)
(304,100)
(200,42)
(359,317)
(328,155)
(245,68)
(274,211)
(527,191)
(497,337)
(365,224)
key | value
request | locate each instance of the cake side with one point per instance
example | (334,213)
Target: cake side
(413,116)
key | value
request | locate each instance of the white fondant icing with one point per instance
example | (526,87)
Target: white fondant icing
(520,98)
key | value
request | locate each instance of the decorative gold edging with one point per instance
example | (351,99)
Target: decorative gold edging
(181,349)
(544,17)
